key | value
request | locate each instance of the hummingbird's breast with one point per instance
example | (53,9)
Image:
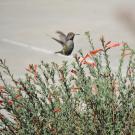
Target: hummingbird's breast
(69,46)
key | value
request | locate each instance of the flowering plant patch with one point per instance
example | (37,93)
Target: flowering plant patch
(85,98)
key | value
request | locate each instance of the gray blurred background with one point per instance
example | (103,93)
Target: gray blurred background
(25,26)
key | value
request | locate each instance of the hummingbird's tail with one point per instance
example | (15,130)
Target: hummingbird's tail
(61,52)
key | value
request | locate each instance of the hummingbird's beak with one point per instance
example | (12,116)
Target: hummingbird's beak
(77,34)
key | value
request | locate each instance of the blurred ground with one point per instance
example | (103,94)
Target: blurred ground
(28,22)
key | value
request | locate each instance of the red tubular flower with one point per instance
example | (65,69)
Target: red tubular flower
(88,62)
(111,45)
(10,102)
(93,64)
(88,55)
(83,58)
(1,101)
(94,52)
(56,110)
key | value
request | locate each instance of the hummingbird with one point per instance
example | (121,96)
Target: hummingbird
(66,41)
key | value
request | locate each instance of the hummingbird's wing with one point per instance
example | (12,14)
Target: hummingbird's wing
(61,51)
(62,36)
(59,41)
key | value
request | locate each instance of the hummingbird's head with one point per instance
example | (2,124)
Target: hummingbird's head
(70,36)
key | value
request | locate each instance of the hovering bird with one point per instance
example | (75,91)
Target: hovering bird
(66,41)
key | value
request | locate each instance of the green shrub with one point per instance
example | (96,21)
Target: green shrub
(82,98)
